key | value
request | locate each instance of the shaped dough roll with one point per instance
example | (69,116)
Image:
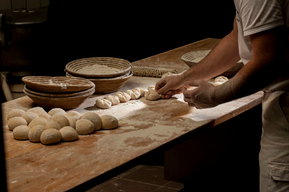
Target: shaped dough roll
(113,99)
(103,103)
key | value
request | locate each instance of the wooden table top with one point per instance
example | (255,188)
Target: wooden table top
(144,126)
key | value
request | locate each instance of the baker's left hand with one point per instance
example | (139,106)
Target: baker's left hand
(201,97)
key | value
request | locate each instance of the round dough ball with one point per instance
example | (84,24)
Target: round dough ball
(94,118)
(109,122)
(103,103)
(50,136)
(113,99)
(54,111)
(72,113)
(34,133)
(52,124)
(16,121)
(219,80)
(84,126)
(61,119)
(40,112)
(29,116)
(68,133)
(152,94)
(15,113)
(21,132)
(73,116)
(38,121)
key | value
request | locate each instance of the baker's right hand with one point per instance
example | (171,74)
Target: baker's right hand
(170,85)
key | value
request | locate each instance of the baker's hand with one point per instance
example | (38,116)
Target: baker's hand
(201,97)
(170,85)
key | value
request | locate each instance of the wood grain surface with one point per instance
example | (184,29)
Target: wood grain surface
(144,126)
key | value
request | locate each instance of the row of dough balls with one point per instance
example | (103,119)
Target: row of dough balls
(37,125)
(124,96)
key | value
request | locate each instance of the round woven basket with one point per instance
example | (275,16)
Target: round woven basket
(95,67)
(193,57)
(109,85)
(62,100)
(57,84)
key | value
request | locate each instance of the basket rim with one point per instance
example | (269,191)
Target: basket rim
(58,95)
(39,83)
(192,55)
(98,60)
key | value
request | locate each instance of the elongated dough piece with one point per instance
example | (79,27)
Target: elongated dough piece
(103,103)
(113,99)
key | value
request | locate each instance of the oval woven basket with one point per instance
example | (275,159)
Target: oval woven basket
(98,67)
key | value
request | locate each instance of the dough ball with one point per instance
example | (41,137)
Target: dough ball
(133,94)
(84,126)
(34,133)
(137,93)
(94,118)
(54,111)
(38,121)
(72,113)
(141,91)
(73,116)
(29,116)
(50,136)
(15,113)
(219,80)
(21,132)
(151,94)
(61,119)
(109,122)
(123,97)
(129,92)
(16,121)
(40,112)
(113,99)
(52,124)
(167,74)
(68,133)
(103,103)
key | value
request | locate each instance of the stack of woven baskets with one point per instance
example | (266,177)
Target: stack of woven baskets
(57,92)
(108,74)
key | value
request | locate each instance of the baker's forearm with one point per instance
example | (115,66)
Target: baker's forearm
(220,59)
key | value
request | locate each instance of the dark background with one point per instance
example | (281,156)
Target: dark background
(129,30)
(133,30)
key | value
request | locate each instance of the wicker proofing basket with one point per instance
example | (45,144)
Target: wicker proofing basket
(193,57)
(64,101)
(57,84)
(122,67)
(109,85)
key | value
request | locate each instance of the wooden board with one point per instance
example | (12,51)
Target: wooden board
(144,126)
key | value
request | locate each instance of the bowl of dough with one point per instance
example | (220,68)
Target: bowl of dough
(193,57)
(58,91)
(108,74)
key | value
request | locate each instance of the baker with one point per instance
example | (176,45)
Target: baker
(260,38)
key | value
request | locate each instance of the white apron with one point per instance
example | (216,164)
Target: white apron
(274,153)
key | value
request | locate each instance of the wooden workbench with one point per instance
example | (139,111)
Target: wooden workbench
(144,126)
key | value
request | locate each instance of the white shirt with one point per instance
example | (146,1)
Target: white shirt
(254,16)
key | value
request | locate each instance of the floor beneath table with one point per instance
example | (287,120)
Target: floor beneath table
(141,178)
